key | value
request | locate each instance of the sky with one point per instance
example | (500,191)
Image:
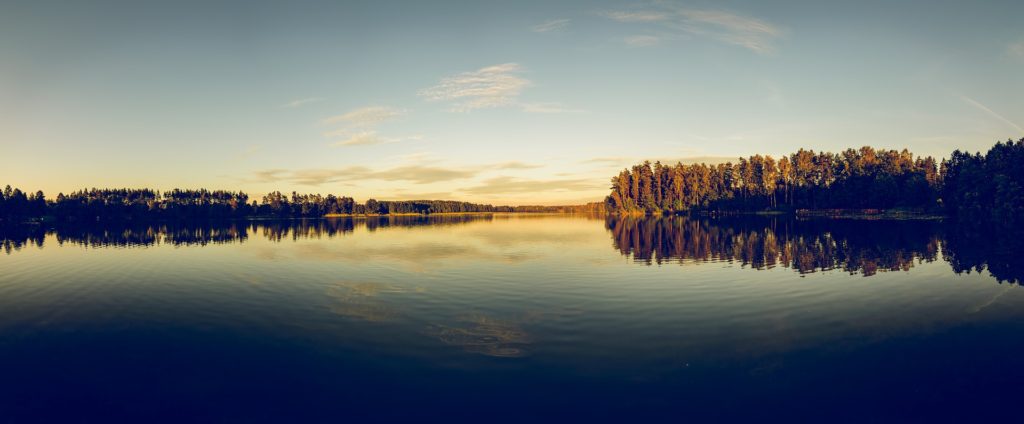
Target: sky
(524,102)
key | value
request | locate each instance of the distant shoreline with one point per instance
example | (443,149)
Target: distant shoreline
(52,219)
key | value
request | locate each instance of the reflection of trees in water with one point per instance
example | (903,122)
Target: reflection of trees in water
(278,230)
(13,238)
(995,249)
(864,247)
(855,246)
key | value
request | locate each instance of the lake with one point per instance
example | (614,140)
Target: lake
(494,318)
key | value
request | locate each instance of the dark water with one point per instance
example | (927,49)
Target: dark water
(510,318)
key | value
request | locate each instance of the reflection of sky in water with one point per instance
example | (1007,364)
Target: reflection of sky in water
(554,299)
(364,300)
(484,335)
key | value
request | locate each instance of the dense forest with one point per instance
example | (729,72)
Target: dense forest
(864,178)
(970,186)
(990,187)
(140,204)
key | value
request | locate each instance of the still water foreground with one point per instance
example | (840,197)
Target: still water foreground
(508,317)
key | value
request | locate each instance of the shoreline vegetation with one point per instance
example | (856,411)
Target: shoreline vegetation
(113,205)
(863,183)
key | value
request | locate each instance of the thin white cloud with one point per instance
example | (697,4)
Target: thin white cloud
(418,173)
(642,40)
(552,25)
(359,126)
(300,102)
(516,165)
(727,27)
(410,173)
(509,185)
(361,139)
(367,138)
(991,112)
(365,116)
(636,16)
(754,34)
(490,87)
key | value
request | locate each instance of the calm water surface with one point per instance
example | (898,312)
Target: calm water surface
(504,318)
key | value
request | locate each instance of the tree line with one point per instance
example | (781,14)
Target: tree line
(976,187)
(989,187)
(142,204)
(855,178)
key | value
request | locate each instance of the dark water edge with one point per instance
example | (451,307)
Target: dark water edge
(510,318)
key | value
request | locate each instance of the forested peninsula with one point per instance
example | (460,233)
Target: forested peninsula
(969,186)
(90,205)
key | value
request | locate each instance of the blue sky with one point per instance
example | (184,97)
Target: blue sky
(487,101)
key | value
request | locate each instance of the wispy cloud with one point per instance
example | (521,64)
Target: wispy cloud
(754,34)
(365,116)
(991,112)
(367,138)
(509,185)
(300,102)
(636,15)
(415,157)
(270,174)
(642,40)
(489,87)
(552,25)
(359,126)
(363,138)
(515,165)
(418,173)
(411,173)
(727,27)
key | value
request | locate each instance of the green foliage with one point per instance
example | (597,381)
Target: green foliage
(864,178)
(987,188)
(145,204)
